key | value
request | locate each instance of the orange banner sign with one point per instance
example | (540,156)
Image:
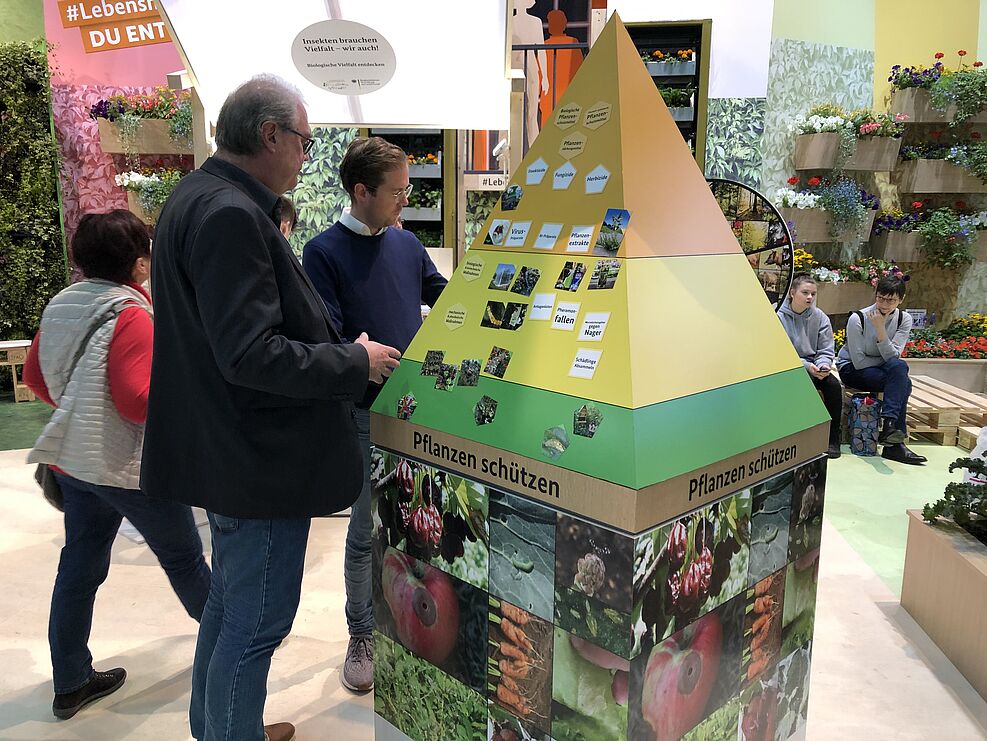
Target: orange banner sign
(123,35)
(89,12)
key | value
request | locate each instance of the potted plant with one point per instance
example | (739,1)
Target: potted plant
(428,165)
(956,355)
(681,63)
(155,123)
(824,139)
(878,140)
(943,165)
(946,237)
(827,210)
(679,102)
(927,95)
(147,191)
(945,580)
(845,288)
(424,204)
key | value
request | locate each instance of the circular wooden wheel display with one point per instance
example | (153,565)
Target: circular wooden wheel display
(762,233)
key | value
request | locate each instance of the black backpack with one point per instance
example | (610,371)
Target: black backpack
(860,316)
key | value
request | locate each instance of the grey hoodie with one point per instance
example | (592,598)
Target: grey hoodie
(811,333)
(862,348)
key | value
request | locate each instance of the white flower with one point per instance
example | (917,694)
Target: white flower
(816,124)
(134,180)
(826,275)
(789,198)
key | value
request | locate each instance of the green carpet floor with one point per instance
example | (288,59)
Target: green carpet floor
(866,499)
(20,424)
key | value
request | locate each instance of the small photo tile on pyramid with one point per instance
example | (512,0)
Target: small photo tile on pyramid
(407,405)
(586,420)
(571,276)
(514,316)
(502,277)
(493,315)
(445,379)
(484,410)
(498,361)
(511,197)
(497,232)
(469,373)
(525,281)
(604,275)
(612,231)
(433,359)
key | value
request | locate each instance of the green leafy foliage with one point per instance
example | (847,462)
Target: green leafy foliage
(964,503)
(965,88)
(319,196)
(733,139)
(479,204)
(946,239)
(32,252)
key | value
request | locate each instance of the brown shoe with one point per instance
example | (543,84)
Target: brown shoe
(279,732)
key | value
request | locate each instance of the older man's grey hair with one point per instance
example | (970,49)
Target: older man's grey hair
(262,98)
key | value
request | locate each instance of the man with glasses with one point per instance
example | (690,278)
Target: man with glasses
(871,361)
(374,279)
(251,398)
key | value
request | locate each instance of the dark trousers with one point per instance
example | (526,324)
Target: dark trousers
(891,377)
(92,517)
(832,395)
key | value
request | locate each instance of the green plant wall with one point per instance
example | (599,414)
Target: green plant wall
(32,252)
(319,195)
(733,139)
(479,204)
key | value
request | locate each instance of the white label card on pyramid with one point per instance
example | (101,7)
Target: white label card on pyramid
(580,239)
(536,172)
(597,179)
(594,325)
(584,366)
(563,177)
(597,115)
(568,115)
(541,306)
(472,267)
(565,316)
(518,233)
(548,235)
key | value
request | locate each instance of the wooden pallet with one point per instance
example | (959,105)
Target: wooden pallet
(13,353)
(933,413)
(973,407)
(967,437)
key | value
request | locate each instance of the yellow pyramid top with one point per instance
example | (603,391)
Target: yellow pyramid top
(609,161)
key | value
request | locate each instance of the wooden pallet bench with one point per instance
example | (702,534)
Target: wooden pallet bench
(966,437)
(12,354)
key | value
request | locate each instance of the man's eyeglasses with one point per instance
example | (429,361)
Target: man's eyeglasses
(307,141)
(402,192)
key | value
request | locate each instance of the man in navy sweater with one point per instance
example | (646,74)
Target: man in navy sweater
(374,278)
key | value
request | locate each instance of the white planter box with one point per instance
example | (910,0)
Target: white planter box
(671,69)
(683,114)
(425,171)
(421,214)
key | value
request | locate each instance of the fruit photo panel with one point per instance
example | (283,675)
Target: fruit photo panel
(434,615)
(519,663)
(421,700)
(809,491)
(522,553)
(593,621)
(431,514)
(776,708)
(589,691)
(687,677)
(771,511)
(684,569)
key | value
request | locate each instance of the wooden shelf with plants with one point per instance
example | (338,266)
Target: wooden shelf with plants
(676,55)
(431,169)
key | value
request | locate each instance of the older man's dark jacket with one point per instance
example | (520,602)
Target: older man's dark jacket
(250,409)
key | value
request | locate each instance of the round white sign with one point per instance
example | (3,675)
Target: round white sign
(344,57)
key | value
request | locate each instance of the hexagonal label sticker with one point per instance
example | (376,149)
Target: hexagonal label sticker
(572,145)
(597,115)
(568,115)
(455,316)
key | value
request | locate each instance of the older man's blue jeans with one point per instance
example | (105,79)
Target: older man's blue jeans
(256,585)
(891,377)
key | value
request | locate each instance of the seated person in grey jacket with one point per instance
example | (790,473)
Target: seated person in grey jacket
(871,361)
(811,333)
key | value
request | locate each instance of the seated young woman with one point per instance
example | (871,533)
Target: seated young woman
(811,333)
(871,361)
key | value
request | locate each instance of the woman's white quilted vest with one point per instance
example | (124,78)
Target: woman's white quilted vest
(86,436)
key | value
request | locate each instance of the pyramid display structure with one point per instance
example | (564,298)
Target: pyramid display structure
(587,440)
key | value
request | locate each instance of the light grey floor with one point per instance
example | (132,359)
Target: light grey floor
(875,675)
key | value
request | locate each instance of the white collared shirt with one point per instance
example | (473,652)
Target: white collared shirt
(355,225)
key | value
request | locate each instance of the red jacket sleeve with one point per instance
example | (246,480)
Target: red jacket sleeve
(129,364)
(32,373)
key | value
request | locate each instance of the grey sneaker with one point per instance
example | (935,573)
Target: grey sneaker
(358,668)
